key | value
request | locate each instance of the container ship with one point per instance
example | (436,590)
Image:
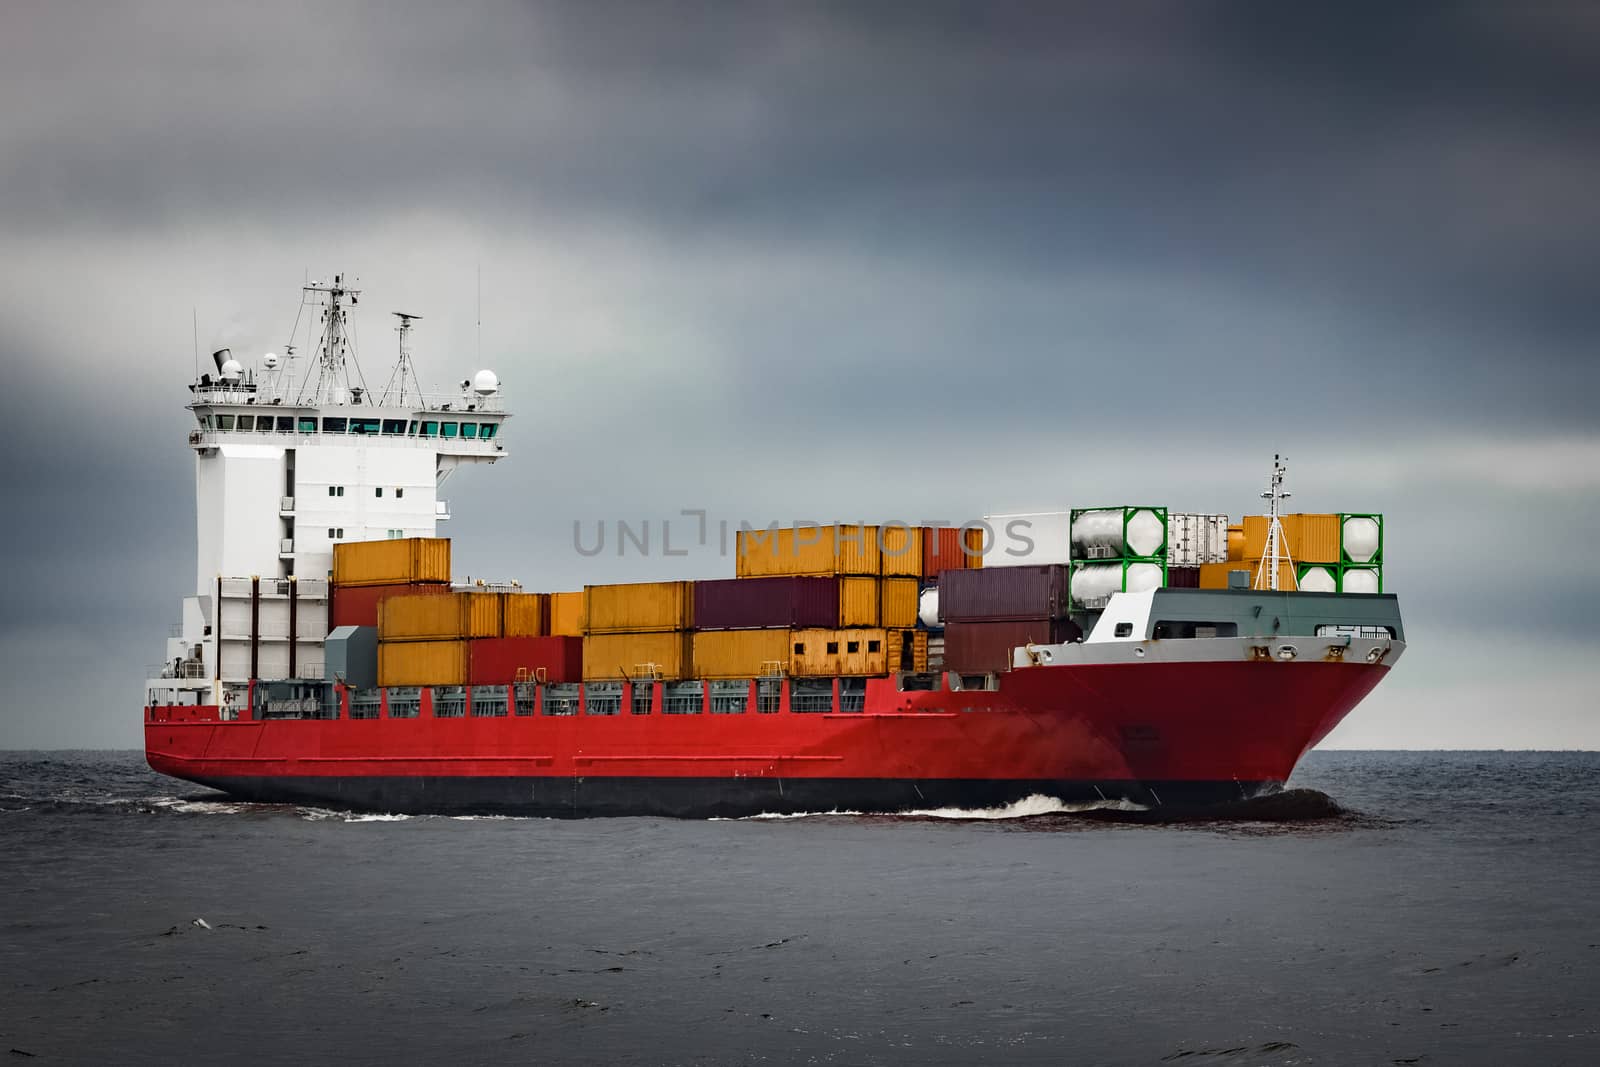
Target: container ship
(1098,654)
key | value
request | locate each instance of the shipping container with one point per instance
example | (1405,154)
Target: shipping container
(1355,578)
(908,650)
(741,653)
(1318,577)
(405,559)
(901,550)
(1119,533)
(858,602)
(440,618)
(854,652)
(1195,539)
(1025,539)
(504,660)
(841,549)
(786,601)
(422,663)
(1215,575)
(1184,577)
(357,605)
(667,655)
(983,647)
(1308,538)
(1236,541)
(1094,582)
(1361,538)
(638,607)
(1004,593)
(897,599)
(566,614)
(526,614)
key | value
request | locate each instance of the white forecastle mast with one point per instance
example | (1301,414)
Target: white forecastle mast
(1276,551)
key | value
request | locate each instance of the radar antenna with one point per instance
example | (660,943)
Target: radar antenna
(404,368)
(333,378)
(1276,552)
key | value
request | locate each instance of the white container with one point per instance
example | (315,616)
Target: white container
(1027,539)
(1193,539)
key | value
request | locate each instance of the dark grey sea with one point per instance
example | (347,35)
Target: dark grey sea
(1449,914)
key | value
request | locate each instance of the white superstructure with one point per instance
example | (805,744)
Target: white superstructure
(284,470)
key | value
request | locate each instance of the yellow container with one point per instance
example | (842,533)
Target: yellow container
(741,653)
(422,662)
(638,607)
(566,614)
(1318,538)
(1215,575)
(974,553)
(828,550)
(668,655)
(908,650)
(862,651)
(526,614)
(858,601)
(901,550)
(898,602)
(1236,542)
(440,618)
(814,653)
(394,562)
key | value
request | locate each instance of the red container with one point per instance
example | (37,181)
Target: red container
(496,660)
(1183,577)
(1004,593)
(981,647)
(357,605)
(759,603)
(942,551)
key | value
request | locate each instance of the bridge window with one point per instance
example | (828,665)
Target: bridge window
(308,425)
(489,429)
(469,430)
(447,429)
(247,423)
(263,423)
(364,426)
(393,427)
(334,425)
(224,422)
(412,431)
(430,429)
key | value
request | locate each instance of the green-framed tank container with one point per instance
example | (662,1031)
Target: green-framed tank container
(1091,582)
(1361,538)
(1317,577)
(1358,578)
(1125,532)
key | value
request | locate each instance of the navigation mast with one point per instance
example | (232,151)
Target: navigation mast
(1277,550)
(395,391)
(333,379)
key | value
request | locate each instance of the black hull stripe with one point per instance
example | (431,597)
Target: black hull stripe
(700,798)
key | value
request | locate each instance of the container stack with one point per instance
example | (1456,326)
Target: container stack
(987,613)
(365,573)
(471,637)
(638,630)
(1331,553)
(1117,550)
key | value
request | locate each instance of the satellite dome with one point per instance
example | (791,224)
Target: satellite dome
(231,370)
(270,361)
(485,383)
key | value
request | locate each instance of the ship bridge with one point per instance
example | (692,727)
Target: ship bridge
(289,461)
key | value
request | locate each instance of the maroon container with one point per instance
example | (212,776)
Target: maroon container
(981,647)
(357,605)
(758,603)
(1183,577)
(496,660)
(1004,593)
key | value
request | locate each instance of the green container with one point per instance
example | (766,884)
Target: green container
(1361,538)
(1354,578)
(1127,532)
(1091,582)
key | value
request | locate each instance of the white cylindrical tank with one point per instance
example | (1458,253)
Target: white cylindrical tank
(1362,539)
(1094,581)
(1361,580)
(928,608)
(1139,533)
(1142,577)
(1319,580)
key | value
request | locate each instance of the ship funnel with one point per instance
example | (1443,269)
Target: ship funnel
(220,356)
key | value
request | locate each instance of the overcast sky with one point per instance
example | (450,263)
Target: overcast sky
(832,261)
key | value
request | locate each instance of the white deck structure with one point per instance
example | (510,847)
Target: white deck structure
(283,472)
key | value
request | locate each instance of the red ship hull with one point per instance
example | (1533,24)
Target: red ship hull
(1150,732)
